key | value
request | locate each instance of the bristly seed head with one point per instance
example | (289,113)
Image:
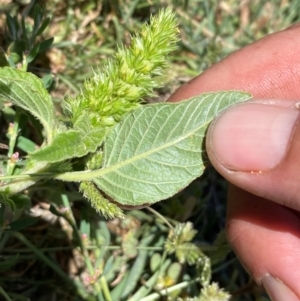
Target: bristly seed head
(129,76)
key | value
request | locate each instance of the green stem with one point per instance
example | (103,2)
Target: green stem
(71,248)
(12,143)
(71,220)
(14,134)
(4,294)
(169,290)
(105,289)
(162,218)
(24,181)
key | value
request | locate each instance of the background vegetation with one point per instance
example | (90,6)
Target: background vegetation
(61,254)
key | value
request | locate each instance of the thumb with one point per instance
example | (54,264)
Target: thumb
(256,146)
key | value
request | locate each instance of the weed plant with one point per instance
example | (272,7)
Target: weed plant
(55,245)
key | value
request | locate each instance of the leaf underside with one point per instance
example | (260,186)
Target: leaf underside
(27,91)
(159,149)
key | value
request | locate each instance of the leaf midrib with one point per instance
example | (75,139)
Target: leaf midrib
(91,174)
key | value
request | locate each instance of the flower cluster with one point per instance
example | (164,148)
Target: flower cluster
(129,76)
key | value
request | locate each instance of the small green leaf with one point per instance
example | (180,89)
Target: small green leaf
(37,17)
(6,199)
(45,44)
(62,147)
(137,268)
(70,144)
(47,80)
(22,223)
(174,271)
(3,58)
(25,144)
(32,54)
(155,262)
(12,25)
(159,149)
(43,26)
(27,91)
(21,201)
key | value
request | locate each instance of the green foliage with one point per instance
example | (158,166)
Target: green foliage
(156,151)
(72,143)
(27,91)
(6,200)
(149,156)
(24,46)
(110,260)
(22,223)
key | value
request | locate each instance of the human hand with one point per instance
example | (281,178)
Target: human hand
(256,147)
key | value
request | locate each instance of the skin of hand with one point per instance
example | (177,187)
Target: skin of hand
(256,147)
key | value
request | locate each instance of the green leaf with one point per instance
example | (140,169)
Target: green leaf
(71,144)
(26,144)
(37,17)
(6,199)
(143,291)
(47,80)
(12,25)
(43,26)
(159,149)
(33,53)
(137,268)
(27,91)
(21,201)
(155,262)
(45,44)
(174,271)
(3,58)
(22,223)
(63,146)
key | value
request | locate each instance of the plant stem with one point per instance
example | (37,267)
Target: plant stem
(12,142)
(71,248)
(71,220)
(105,289)
(4,294)
(24,181)
(14,134)
(161,217)
(166,291)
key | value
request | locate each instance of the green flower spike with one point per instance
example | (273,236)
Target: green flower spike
(129,76)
